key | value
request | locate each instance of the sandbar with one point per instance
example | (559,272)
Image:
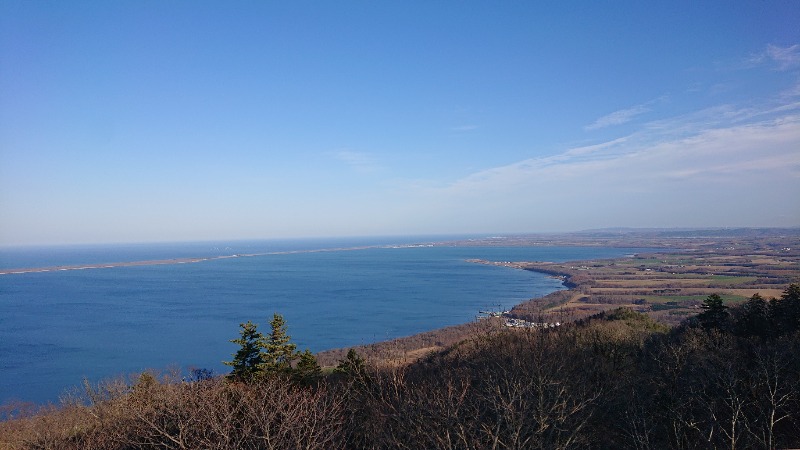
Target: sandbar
(156,262)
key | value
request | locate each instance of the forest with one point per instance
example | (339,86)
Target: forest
(728,377)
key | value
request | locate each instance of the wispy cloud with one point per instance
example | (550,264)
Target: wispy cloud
(725,163)
(718,165)
(659,154)
(792,92)
(596,148)
(618,117)
(358,161)
(783,58)
(463,128)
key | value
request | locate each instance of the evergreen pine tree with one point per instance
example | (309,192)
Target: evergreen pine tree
(248,359)
(278,352)
(786,310)
(754,318)
(715,312)
(308,371)
(352,365)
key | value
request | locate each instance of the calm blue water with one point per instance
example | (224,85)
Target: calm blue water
(58,327)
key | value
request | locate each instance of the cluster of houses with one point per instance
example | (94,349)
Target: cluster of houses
(516,323)
(519,323)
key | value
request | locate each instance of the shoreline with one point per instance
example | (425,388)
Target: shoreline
(190,260)
(666,284)
(193,260)
(105,265)
(406,349)
(661,240)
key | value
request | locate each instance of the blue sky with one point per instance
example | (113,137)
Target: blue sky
(137,121)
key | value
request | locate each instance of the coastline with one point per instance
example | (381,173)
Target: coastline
(407,349)
(663,239)
(156,262)
(667,284)
(106,265)
(78,300)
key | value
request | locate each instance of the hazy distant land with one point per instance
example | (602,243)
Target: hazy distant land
(668,284)
(618,237)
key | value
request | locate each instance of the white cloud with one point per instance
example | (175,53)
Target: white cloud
(464,128)
(618,117)
(769,145)
(783,58)
(595,149)
(721,165)
(793,91)
(358,161)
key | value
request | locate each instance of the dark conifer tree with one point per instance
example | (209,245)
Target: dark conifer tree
(715,312)
(278,352)
(352,365)
(248,359)
(308,371)
(754,318)
(786,310)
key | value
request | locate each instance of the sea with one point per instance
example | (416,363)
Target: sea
(61,327)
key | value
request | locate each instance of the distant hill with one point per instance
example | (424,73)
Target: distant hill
(690,232)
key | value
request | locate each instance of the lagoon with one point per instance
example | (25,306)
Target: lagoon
(57,328)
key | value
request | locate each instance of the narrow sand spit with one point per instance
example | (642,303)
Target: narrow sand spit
(157,262)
